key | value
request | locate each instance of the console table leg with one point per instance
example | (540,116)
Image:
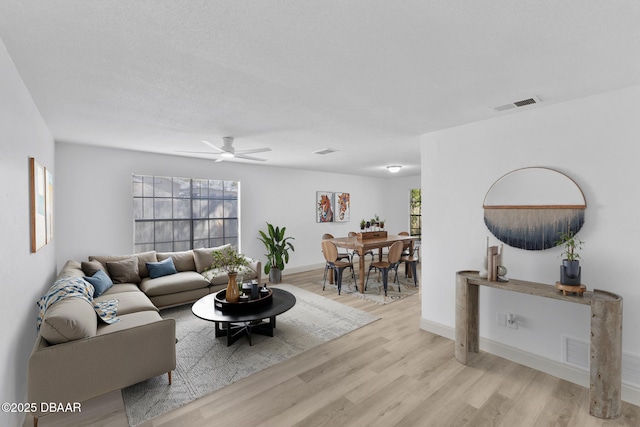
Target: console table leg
(466,319)
(606,358)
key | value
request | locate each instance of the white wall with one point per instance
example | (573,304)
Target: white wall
(95,209)
(24,276)
(592,140)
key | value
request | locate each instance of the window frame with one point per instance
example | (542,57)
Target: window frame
(172,214)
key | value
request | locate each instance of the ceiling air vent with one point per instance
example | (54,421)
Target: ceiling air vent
(325,151)
(521,103)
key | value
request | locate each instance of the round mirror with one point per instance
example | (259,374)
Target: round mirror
(529,208)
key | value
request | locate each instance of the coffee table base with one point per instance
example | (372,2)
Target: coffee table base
(235,330)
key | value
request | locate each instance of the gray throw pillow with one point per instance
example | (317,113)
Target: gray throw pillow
(203,257)
(183,261)
(125,271)
(91,267)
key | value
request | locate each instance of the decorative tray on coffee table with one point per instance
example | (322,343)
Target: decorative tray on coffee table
(263,300)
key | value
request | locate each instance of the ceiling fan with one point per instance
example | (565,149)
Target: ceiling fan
(228,151)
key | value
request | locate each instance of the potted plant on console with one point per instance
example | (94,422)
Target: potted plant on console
(278,248)
(570,268)
(229,260)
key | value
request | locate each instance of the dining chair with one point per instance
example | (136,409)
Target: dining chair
(341,256)
(395,251)
(410,260)
(330,252)
(407,246)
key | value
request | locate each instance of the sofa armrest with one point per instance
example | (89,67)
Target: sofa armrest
(256,266)
(80,370)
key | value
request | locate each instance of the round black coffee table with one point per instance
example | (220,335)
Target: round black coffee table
(262,321)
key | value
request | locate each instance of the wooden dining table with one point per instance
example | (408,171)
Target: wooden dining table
(363,245)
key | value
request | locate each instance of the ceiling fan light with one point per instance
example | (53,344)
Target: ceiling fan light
(227,155)
(394,168)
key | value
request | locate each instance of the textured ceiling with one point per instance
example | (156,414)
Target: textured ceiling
(364,77)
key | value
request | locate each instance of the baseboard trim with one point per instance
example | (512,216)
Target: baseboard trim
(558,369)
(301,269)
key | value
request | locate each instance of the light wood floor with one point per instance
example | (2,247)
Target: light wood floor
(389,373)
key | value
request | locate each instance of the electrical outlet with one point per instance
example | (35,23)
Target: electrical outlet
(501,319)
(512,321)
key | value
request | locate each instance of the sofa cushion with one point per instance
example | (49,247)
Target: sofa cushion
(118,288)
(100,281)
(129,321)
(129,302)
(161,268)
(67,320)
(71,269)
(183,261)
(90,267)
(179,282)
(203,257)
(143,257)
(125,271)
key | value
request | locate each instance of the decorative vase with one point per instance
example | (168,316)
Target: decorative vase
(232,294)
(570,272)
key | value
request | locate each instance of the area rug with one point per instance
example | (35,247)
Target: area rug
(375,288)
(206,364)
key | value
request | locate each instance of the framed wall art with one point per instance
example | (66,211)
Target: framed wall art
(324,206)
(38,205)
(343,204)
(529,208)
(48,204)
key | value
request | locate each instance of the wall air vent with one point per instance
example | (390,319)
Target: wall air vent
(325,151)
(630,369)
(521,103)
(575,352)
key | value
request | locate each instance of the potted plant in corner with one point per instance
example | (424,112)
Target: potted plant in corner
(570,268)
(278,248)
(229,260)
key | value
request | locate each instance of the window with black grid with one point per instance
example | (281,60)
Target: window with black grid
(176,214)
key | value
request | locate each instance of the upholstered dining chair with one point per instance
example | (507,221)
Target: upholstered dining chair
(395,251)
(330,252)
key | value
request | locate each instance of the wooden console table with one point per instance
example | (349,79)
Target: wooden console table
(606,333)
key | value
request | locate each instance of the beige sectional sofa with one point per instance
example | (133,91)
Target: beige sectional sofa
(77,356)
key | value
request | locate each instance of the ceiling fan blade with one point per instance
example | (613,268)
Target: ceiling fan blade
(255,150)
(213,147)
(198,152)
(242,156)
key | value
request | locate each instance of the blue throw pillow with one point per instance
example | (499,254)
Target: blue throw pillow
(100,281)
(162,268)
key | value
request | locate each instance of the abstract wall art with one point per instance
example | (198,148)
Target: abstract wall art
(529,208)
